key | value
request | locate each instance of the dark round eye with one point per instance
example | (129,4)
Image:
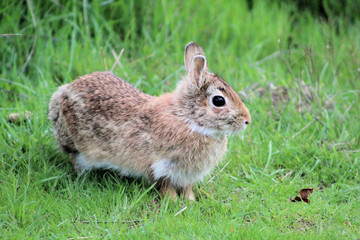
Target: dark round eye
(218,101)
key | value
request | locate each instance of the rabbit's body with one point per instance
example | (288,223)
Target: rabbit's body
(104,122)
(107,123)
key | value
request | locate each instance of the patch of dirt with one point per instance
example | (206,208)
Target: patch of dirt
(299,224)
(277,94)
(305,95)
(303,225)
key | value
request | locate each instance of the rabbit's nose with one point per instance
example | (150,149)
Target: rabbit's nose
(247,120)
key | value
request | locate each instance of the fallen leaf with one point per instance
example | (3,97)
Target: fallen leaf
(19,117)
(306,192)
(347,223)
(304,195)
(296,199)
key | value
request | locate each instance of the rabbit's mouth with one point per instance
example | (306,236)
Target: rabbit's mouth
(236,127)
(231,129)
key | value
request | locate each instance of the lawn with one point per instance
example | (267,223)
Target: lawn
(297,71)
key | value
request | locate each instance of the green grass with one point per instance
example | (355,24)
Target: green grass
(305,131)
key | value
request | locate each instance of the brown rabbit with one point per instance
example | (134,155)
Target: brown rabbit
(176,139)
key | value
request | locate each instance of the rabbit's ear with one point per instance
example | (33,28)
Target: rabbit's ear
(191,50)
(197,67)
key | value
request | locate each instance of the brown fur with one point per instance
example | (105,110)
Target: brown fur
(108,120)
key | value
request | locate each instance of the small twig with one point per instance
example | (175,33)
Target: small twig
(117,60)
(180,211)
(219,171)
(352,151)
(282,179)
(207,195)
(140,59)
(10,34)
(104,60)
(342,143)
(308,125)
(73,223)
(109,222)
(347,110)
(29,2)
(88,222)
(80,238)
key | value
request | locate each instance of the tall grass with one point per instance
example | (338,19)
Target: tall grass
(298,74)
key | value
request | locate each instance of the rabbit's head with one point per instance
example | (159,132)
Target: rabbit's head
(208,103)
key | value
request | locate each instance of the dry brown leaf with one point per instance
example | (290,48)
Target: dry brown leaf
(296,199)
(304,195)
(306,192)
(19,117)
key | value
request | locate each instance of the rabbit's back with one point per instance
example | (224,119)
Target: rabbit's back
(87,112)
(103,94)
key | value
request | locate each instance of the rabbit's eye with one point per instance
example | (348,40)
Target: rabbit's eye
(218,101)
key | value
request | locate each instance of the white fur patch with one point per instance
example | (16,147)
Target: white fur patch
(162,168)
(85,165)
(212,132)
(204,130)
(167,168)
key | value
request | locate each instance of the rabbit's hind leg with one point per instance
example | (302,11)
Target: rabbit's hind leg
(166,189)
(78,169)
(188,193)
(163,185)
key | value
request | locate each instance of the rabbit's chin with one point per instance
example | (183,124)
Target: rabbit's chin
(213,132)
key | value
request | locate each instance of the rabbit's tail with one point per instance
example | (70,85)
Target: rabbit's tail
(56,117)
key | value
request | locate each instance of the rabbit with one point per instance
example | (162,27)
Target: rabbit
(173,140)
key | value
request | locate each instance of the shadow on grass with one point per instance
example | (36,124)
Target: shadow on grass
(103,179)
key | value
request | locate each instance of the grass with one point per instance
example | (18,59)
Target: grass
(299,76)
